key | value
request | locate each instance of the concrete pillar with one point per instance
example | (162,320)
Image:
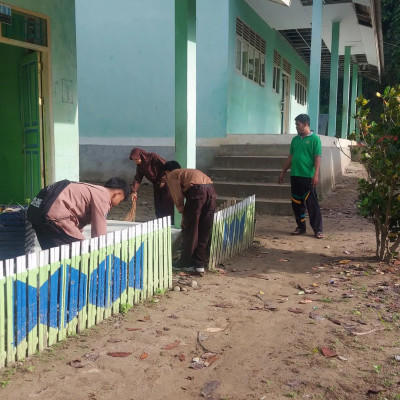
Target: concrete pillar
(315,64)
(185,86)
(333,86)
(346,92)
(185,83)
(353,109)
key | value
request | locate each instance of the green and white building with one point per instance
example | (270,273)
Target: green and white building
(38,96)
(180,77)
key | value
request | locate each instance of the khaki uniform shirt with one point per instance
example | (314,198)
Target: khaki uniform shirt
(78,205)
(179,182)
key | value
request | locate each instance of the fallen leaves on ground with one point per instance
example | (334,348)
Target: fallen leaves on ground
(296,310)
(172,345)
(76,363)
(119,354)
(223,305)
(143,356)
(327,352)
(144,319)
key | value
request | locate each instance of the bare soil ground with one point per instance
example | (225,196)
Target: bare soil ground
(292,317)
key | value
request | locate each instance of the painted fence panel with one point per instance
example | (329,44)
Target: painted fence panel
(47,296)
(233,231)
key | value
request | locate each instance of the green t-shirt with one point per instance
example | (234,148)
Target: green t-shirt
(303,151)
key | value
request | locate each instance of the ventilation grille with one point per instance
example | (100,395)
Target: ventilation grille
(250,36)
(287,67)
(277,58)
(301,78)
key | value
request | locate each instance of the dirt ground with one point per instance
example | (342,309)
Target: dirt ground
(292,317)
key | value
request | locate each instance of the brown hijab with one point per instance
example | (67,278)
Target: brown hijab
(152,167)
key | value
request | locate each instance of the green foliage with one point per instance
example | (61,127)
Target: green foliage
(124,308)
(379,195)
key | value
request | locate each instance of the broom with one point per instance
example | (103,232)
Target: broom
(130,217)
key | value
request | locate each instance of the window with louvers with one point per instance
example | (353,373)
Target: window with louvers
(300,89)
(250,53)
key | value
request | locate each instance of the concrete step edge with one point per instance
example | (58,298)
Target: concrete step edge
(252,184)
(274,157)
(245,169)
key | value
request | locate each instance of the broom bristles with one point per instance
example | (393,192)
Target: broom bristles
(130,216)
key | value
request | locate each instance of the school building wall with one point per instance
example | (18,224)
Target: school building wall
(254,109)
(126,82)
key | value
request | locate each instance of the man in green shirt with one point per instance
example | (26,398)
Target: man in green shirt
(305,161)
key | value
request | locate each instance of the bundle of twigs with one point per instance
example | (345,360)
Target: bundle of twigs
(130,216)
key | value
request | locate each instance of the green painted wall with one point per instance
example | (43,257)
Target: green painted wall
(64,84)
(254,109)
(212,67)
(11,158)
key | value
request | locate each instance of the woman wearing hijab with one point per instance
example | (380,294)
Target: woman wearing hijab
(151,165)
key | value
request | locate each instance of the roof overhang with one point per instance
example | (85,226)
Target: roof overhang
(360,28)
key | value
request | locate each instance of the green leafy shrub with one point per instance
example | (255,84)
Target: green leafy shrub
(379,195)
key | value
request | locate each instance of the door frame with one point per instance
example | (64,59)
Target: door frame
(285,103)
(46,114)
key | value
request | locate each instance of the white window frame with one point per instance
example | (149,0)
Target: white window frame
(276,78)
(300,93)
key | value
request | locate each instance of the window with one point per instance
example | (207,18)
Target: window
(250,54)
(300,88)
(276,78)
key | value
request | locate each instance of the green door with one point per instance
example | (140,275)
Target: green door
(30,83)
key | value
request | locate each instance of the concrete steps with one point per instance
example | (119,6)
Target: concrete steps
(245,174)
(245,189)
(242,170)
(253,162)
(254,150)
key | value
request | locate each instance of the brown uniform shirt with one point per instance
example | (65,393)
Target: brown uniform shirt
(152,167)
(180,180)
(80,204)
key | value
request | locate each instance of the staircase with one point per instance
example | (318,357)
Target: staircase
(242,170)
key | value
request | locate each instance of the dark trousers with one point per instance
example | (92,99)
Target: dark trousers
(305,196)
(51,235)
(198,216)
(163,203)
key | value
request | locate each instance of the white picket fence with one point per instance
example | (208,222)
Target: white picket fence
(64,290)
(233,231)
